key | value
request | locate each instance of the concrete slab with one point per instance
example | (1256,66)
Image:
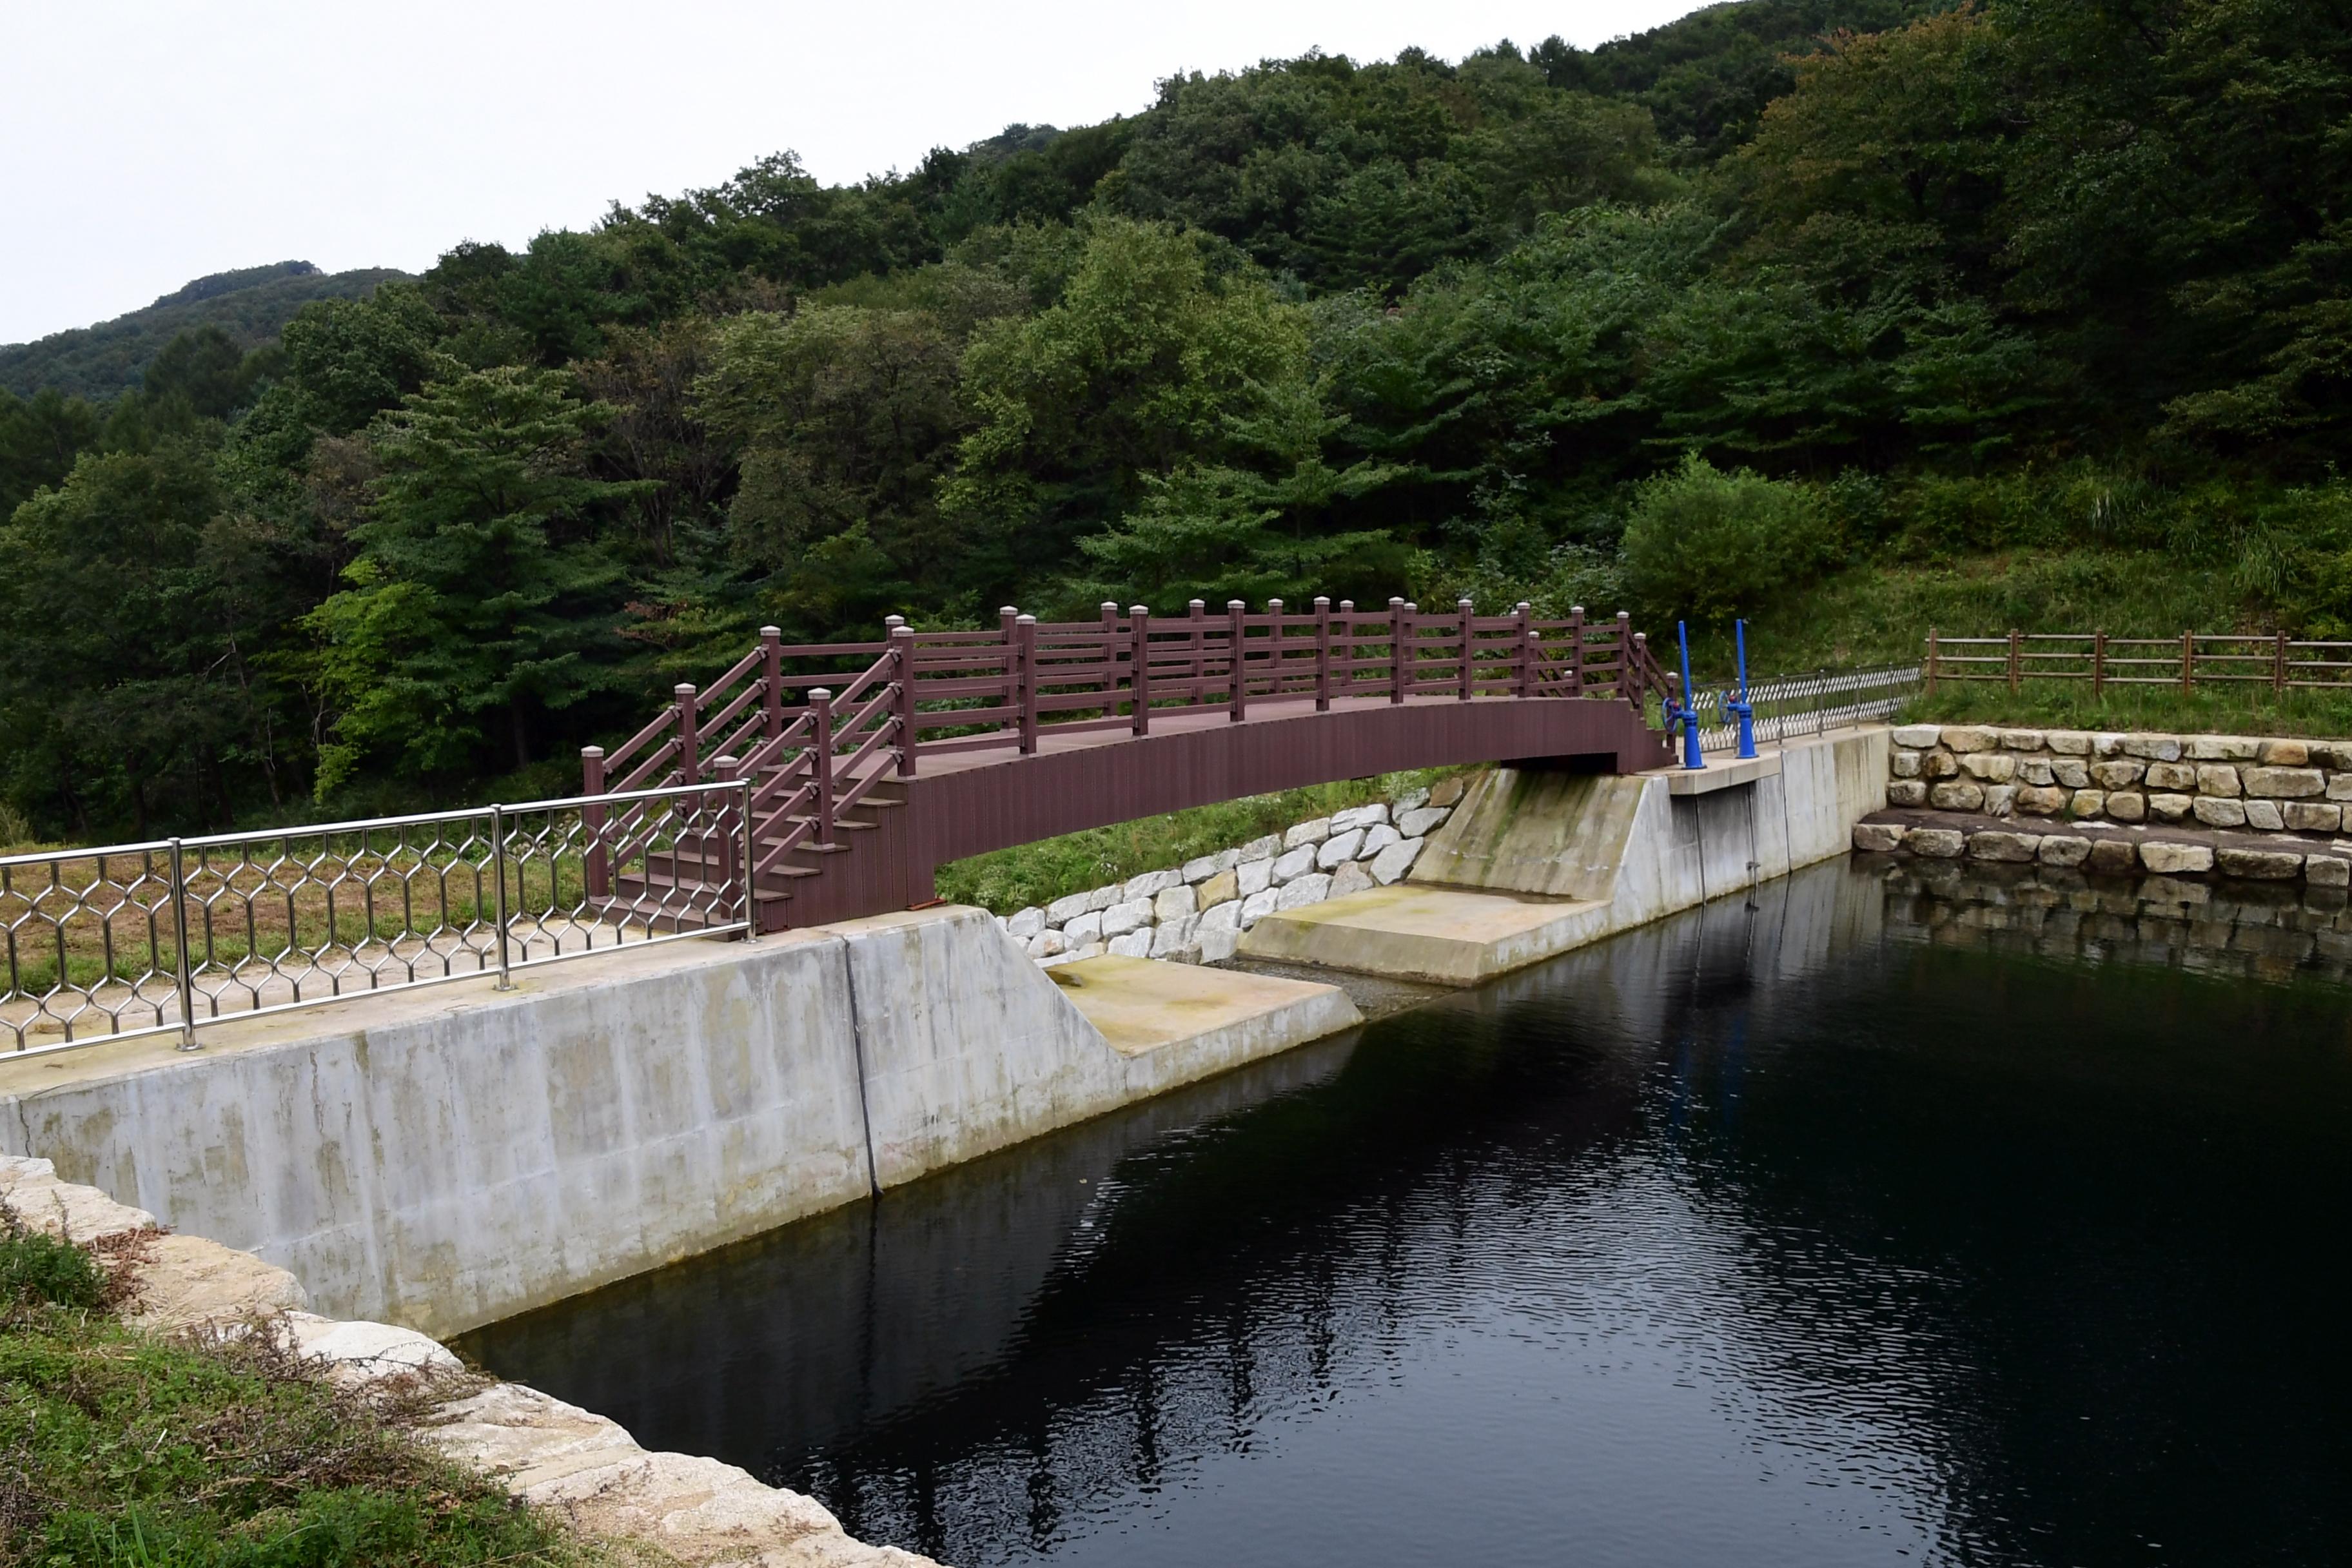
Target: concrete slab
(1450,936)
(1143,1004)
(1722,773)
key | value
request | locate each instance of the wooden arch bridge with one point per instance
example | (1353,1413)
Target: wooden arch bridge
(935,745)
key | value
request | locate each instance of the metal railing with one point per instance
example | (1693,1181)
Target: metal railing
(2184,662)
(1811,704)
(171,935)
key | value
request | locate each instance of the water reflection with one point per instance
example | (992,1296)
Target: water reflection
(1799,1230)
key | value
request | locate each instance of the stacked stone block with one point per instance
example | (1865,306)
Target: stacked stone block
(1196,914)
(2221,782)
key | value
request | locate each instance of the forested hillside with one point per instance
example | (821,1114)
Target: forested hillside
(249,305)
(2031,308)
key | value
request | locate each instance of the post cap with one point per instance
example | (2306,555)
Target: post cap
(1008,609)
(1322,601)
(819,694)
(1026,620)
(1395,603)
(592,750)
(771,633)
(1235,604)
(683,688)
(1576,609)
(1139,609)
(1200,603)
(1461,605)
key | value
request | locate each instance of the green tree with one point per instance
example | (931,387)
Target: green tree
(481,597)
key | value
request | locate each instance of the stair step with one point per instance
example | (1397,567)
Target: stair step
(647,881)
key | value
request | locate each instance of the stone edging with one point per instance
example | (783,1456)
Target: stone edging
(2221,782)
(2114,854)
(549,1454)
(1196,914)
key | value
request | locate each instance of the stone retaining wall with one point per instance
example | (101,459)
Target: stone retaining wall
(2221,782)
(2050,844)
(1196,914)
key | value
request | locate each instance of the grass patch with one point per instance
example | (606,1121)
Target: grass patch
(2244,709)
(1004,880)
(122,1449)
(1879,613)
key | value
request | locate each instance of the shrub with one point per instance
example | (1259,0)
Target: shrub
(1706,545)
(38,1267)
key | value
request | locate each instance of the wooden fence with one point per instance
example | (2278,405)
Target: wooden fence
(2182,663)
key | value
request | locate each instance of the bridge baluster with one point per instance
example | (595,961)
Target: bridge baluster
(1237,666)
(821,761)
(1199,651)
(689,745)
(1026,660)
(902,671)
(1322,654)
(1396,650)
(1466,674)
(1576,650)
(1524,675)
(771,644)
(598,870)
(1138,676)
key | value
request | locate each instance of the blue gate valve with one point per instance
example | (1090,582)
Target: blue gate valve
(1685,712)
(1740,707)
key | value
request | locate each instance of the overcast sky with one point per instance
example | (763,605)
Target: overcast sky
(145,145)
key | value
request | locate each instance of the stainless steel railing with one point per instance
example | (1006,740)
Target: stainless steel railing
(1809,704)
(173,934)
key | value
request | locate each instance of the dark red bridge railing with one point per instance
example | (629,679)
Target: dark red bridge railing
(818,743)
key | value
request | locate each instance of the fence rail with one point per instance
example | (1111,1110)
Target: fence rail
(173,934)
(1808,704)
(2183,663)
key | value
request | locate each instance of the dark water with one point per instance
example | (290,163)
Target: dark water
(1845,1226)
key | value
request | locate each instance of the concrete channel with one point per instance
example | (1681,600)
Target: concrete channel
(442,1158)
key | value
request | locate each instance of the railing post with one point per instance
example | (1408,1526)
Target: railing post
(1576,650)
(821,761)
(1008,627)
(598,867)
(751,853)
(1236,665)
(1465,610)
(1523,671)
(1634,667)
(1396,650)
(1931,661)
(1322,654)
(2278,666)
(2098,665)
(2016,664)
(772,645)
(689,765)
(2188,662)
(1627,670)
(183,973)
(1109,659)
(902,671)
(1025,633)
(1200,614)
(499,889)
(1274,643)
(1139,673)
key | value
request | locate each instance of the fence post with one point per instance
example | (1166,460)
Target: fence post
(1274,645)
(1523,674)
(598,867)
(1631,676)
(1198,612)
(1931,661)
(1138,679)
(689,765)
(771,644)
(2098,667)
(2188,662)
(1237,666)
(821,760)
(2278,666)
(498,888)
(1025,630)
(1576,650)
(1109,659)
(184,974)
(2015,664)
(1396,650)
(902,669)
(751,861)
(1322,654)
(1466,677)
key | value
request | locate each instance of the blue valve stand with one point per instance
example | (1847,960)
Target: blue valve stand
(1692,757)
(1742,708)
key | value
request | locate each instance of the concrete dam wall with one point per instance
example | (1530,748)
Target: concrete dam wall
(442,1159)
